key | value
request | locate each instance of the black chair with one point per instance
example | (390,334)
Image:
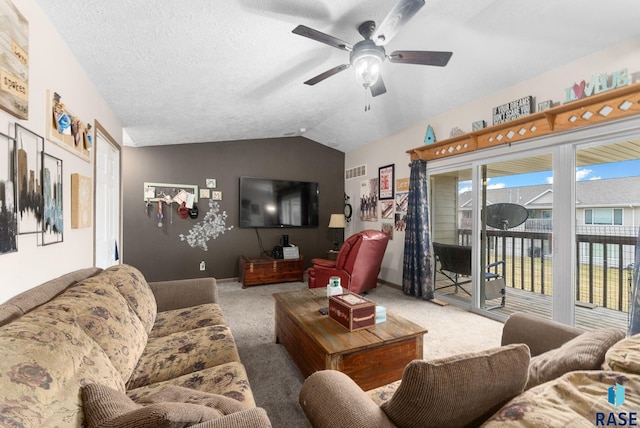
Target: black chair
(454,263)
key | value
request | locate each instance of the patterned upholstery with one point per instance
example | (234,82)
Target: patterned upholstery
(130,282)
(182,353)
(46,358)
(228,379)
(187,319)
(92,327)
(105,316)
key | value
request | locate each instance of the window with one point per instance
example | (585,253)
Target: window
(605,216)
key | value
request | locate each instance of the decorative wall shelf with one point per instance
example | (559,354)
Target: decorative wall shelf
(611,105)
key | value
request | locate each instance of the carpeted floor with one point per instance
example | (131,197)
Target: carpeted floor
(275,379)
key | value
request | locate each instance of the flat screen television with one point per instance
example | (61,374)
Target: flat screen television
(278,203)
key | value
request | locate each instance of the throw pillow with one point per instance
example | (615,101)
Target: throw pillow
(105,407)
(584,352)
(463,390)
(624,356)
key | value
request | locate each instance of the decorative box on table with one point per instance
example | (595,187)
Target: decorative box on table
(352,311)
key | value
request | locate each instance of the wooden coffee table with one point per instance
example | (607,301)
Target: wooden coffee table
(372,357)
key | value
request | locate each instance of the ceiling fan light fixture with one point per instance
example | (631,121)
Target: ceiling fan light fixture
(366,59)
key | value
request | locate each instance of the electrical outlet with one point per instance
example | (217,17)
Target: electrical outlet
(203,265)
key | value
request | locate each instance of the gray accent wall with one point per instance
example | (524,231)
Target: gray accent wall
(161,255)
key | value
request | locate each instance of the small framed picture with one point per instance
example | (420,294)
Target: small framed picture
(386,182)
(216,196)
(211,183)
(205,193)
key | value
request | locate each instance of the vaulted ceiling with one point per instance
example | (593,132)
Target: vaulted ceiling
(205,70)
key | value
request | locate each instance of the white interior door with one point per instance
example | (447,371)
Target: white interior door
(107,205)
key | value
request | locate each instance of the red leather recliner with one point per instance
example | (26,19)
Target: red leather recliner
(357,265)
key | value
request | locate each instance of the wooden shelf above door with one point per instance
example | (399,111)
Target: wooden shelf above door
(604,107)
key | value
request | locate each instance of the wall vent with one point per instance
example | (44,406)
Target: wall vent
(355,172)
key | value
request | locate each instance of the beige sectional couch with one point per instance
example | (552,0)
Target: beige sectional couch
(106,348)
(544,374)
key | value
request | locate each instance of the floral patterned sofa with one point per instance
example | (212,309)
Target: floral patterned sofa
(105,348)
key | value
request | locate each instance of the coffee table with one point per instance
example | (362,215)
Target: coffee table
(372,357)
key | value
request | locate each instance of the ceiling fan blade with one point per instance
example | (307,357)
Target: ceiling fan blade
(320,77)
(402,12)
(439,59)
(378,88)
(316,35)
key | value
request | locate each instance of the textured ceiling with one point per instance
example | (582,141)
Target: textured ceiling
(213,70)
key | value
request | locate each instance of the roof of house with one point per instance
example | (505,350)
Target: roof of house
(590,193)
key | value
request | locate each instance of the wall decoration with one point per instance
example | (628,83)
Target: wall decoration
(8,206)
(401,221)
(205,193)
(369,200)
(81,201)
(53,220)
(387,228)
(212,225)
(599,83)
(545,105)
(386,209)
(429,137)
(66,129)
(513,110)
(211,183)
(402,184)
(216,196)
(455,131)
(401,202)
(386,181)
(14,61)
(161,191)
(29,148)
(478,124)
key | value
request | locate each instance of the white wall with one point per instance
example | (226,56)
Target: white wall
(52,66)
(392,149)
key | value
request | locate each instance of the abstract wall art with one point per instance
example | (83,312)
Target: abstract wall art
(29,147)
(52,219)
(8,211)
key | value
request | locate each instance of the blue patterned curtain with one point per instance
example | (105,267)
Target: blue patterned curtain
(417,275)
(634,311)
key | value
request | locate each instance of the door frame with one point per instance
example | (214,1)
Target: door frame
(112,141)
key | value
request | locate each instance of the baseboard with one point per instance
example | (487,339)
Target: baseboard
(389,284)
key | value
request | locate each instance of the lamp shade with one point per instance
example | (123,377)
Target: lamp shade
(337,221)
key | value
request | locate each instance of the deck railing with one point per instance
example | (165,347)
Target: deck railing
(604,262)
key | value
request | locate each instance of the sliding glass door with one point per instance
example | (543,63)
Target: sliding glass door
(607,212)
(558,220)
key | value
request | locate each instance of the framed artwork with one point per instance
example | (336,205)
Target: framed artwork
(216,196)
(14,61)
(8,212)
(387,181)
(29,149)
(369,200)
(81,201)
(66,129)
(52,223)
(386,209)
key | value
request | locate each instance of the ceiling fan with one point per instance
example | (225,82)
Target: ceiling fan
(367,55)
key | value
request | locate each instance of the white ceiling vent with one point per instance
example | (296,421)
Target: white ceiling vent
(355,172)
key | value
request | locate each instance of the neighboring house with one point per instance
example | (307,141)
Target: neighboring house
(604,208)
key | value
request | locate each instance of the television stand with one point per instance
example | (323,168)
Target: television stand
(267,270)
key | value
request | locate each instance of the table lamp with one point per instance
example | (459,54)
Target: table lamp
(337,222)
